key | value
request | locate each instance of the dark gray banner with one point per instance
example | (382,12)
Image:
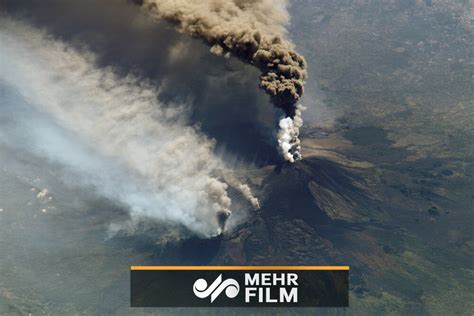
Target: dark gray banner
(240,286)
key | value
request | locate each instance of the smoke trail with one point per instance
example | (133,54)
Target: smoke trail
(252,30)
(244,189)
(134,149)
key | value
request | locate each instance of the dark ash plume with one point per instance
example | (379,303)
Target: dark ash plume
(253,31)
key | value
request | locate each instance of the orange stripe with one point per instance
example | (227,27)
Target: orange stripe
(142,268)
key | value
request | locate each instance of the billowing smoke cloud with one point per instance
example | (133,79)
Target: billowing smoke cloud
(224,99)
(253,31)
(127,144)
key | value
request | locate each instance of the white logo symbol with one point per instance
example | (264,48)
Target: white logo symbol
(230,286)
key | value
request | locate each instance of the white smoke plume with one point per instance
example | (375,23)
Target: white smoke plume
(130,147)
(288,135)
(254,31)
